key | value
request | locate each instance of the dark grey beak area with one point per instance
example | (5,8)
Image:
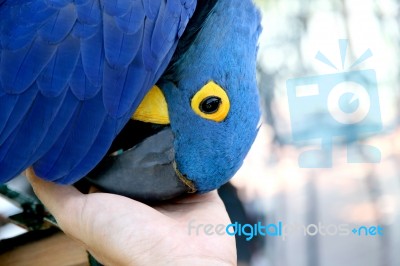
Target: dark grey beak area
(145,172)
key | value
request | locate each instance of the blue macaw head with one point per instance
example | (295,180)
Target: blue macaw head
(212,100)
(211,104)
(212,96)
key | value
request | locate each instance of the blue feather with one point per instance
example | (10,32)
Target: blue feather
(7,164)
(171,21)
(11,43)
(182,24)
(120,48)
(26,138)
(34,11)
(85,31)
(14,109)
(81,86)
(190,5)
(83,2)
(7,104)
(152,8)
(117,8)
(117,103)
(93,58)
(19,69)
(149,59)
(21,22)
(46,162)
(132,21)
(58,72)
(95,154)
(74,145)
(165,61)
(165,30)
(58,125)
(113,78)
(59,26)
(89,12)
(13,34)
(58,3)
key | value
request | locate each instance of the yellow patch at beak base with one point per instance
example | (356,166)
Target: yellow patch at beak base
(153,108)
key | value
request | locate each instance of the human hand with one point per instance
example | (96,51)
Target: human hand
(120,231)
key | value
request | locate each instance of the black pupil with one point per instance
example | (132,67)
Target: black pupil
(210,104)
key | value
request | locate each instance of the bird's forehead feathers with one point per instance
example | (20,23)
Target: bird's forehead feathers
(224,50)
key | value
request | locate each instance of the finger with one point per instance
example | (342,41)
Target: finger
(50,193)
(106,224)
(64,202)
(69,208)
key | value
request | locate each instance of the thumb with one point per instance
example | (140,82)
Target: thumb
(64,202)
(95,221)
(69,208)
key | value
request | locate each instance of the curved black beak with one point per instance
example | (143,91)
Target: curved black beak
(147,172)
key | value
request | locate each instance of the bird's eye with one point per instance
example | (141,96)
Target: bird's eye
(211,102)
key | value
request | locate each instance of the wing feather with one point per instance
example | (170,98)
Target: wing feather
(126,44)
(58,3)
(89,13)
(71,74)
(95,154)
(88,122)
(15,107)
(84,31)
(20,68)
(92,54)
(12,158)
(54,78)
(59,26)
(117,8)
(65,113)
(81,86)
(132,21)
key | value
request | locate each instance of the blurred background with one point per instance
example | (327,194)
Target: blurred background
(271,185)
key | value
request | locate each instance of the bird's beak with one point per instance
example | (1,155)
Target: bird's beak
(153,108)
(146,172)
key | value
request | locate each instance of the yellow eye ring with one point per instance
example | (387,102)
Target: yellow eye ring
(211,102)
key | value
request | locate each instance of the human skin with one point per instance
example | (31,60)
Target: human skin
(120,231)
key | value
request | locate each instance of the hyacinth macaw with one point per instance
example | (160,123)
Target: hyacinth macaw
(74,74)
